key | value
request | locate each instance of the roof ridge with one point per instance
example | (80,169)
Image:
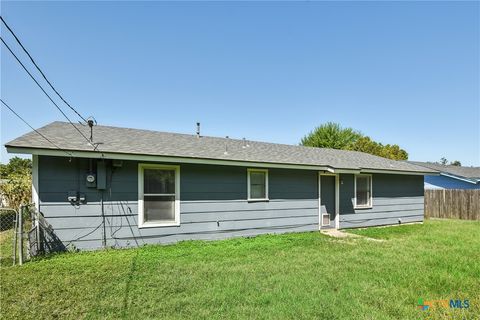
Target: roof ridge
(172,144)
(232,139)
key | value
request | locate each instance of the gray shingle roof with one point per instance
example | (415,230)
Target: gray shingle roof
(471,173)
(145,142)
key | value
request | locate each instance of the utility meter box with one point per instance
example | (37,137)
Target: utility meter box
(91,180)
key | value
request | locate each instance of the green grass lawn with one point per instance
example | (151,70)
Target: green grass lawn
(6,248)
(304,275)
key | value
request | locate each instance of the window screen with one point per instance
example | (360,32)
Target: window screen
(159,195)
(363,195)
(258,185)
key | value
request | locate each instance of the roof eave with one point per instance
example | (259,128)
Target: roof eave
(160,158)
(473,181)
(192,160)
(406,172)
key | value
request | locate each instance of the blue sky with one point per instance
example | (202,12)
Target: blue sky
(401,72)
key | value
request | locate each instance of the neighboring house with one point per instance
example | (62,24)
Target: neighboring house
(156,187)
(451,177)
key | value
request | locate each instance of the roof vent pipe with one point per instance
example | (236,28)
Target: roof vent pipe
(198,129)
(226,146)
(90,124)
(245,144)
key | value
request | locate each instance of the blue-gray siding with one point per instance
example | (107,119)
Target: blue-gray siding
(327,196)
(213,204)
(444,182)
(396,198)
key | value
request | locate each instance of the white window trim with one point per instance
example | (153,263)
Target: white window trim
(370,204)
(35,190)
(248,185)
(141,223)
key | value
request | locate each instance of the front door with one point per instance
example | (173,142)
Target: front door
(327,201)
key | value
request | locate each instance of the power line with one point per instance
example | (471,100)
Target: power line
(39,70)
(24,121)
(38,84)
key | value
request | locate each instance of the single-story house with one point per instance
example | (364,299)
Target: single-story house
(138,186)
(451,177)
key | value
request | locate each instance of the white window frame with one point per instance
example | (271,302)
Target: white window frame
(35,190)
(248,184)
(141,168)
(370,201)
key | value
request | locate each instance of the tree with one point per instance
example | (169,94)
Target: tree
(16,185)
(331,135)
(443,161)
(16,165)
(367,145)
(393,151)
(17,190)
(456,163)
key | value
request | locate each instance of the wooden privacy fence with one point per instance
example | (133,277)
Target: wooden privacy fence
(452,204)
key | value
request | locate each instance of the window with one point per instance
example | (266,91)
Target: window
(159,195)
(363,191)
(257,184)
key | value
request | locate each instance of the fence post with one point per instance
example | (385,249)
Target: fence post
(15,233)
(20,236)
(38,231)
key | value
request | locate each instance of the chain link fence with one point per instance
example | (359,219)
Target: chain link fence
(20,238)
(8,221)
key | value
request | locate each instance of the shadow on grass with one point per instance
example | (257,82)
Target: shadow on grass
(133,269)
(388,232)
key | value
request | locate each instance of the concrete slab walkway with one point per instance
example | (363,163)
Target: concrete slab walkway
(334,233)
(338,234)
